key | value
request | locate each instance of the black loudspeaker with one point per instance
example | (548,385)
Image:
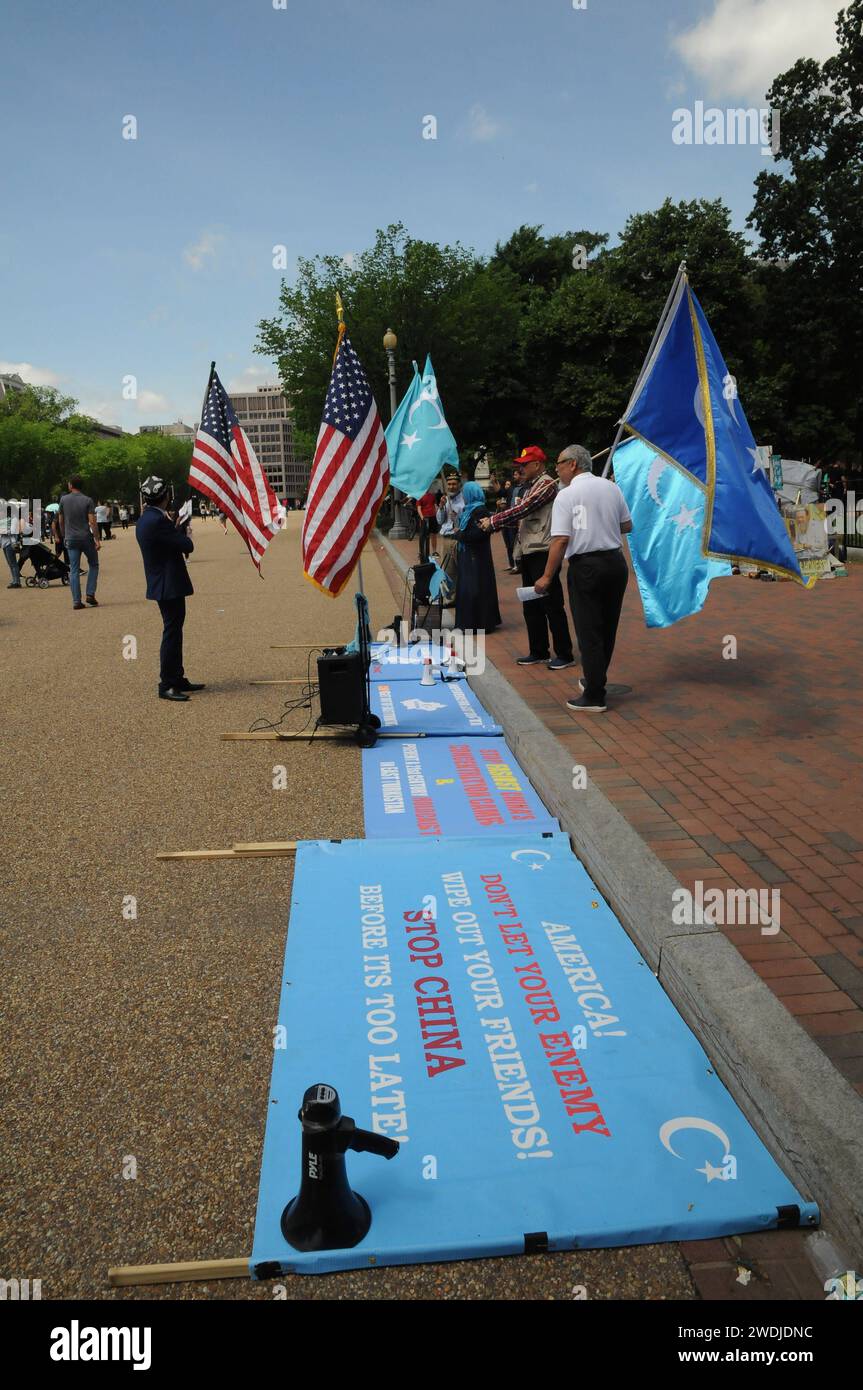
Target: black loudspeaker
(326,1214)
(341,683)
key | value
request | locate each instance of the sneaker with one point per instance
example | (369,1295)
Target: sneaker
(561,663)
(77,605)
(13,586)
(581,706)
(531,660)
(92,601)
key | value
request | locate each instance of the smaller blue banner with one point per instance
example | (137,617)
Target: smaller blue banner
(446,707)
(448,787)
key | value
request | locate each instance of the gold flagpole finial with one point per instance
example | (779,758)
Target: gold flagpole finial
(340,312)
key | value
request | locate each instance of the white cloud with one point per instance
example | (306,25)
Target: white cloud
(740,47)
(107,412)
(481,126)
(250,378)
(146,401)
(206,245)
(34,376)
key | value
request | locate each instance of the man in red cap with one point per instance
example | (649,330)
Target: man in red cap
(532,514)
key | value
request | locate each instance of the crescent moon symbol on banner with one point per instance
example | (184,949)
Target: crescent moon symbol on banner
(657,468)
(670,1128)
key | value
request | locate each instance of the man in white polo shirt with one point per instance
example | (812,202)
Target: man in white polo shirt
(587,521)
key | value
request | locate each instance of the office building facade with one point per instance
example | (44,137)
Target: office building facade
(265,416)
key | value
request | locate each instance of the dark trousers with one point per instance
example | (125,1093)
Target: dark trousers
(597,582)
(171,673)
(546,614)
(510,534)
(428,528)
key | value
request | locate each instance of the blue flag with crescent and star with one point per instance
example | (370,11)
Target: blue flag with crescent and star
(698,493)
(419,439)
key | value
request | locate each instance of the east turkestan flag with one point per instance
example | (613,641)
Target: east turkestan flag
(691,473)
(419,440)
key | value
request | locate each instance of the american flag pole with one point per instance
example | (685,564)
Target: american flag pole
(340,315)
(206,394)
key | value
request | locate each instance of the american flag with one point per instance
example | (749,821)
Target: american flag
(225,469)
(349,479)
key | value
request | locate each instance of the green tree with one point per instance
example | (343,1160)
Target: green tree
(809,215)
(438,299)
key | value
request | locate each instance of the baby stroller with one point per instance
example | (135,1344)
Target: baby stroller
(46,566)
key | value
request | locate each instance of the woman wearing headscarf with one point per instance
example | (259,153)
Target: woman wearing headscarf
(476,596)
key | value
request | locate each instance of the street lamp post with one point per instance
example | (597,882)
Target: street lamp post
(399,530)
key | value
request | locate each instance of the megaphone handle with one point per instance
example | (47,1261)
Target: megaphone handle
(367,1141)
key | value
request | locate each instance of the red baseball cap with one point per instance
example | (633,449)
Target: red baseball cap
(532,454)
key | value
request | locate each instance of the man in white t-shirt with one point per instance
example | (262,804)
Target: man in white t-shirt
(587,521)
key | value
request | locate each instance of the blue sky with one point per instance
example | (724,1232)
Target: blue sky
(302,126)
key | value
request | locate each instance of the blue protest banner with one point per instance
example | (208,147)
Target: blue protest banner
(446,707)
(476,1000)
(446,787)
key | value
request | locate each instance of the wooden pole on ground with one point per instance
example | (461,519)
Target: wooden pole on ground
(122,1276)
(254,849)
(273,734)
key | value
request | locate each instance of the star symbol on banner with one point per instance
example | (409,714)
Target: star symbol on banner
(685,517)
(709,1171)
(535,866)
(757,463)
(410,440)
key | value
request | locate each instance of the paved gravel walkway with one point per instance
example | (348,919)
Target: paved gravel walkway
(151,1038)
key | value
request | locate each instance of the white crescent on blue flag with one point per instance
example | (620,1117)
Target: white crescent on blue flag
(419,440)
(696,473)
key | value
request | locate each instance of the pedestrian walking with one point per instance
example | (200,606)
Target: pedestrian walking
(589,518)
(544,616)
(124,518)
(80,533)
(103,520)
(427,509)
(164,547)
(11,530)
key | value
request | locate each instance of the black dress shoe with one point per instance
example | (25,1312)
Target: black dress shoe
(189,685)
(172,694)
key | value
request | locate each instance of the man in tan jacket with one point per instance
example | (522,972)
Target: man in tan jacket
(532,512)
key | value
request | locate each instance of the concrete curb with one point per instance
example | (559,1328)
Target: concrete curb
(805,1112)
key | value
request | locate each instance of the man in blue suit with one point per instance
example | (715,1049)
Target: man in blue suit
(164,547)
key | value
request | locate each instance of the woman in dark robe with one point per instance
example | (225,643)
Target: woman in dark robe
(476,605)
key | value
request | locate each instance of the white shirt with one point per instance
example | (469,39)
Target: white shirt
(590,513)
(101,513)
(449,513)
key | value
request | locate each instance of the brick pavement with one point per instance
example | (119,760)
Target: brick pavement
(740,772)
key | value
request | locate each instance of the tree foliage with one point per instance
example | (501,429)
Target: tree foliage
(809,216)
(43,441)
